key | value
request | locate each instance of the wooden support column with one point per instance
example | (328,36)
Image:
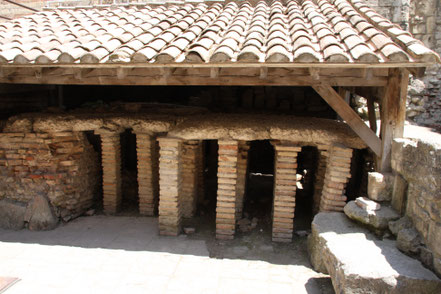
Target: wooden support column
(190,177)
(338,171)
(227,189)
(170,185)
(111,163)
(148,188)
(285,186)
(320,176)
(393,115)
(242,165)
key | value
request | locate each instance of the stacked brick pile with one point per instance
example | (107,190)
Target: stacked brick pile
(227,189)
(190,177)
(62,166)
(242,164)
(320,175)
(111,164)
(147,157)
(338,172)
(285,186)
(170,183)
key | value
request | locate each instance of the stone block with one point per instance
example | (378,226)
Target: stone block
(12,214)
(380,186)
(40,215)
(399,194)
(408,241)
(358,263)
(377,220)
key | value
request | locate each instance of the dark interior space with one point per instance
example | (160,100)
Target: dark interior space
(129,175)
(298,101)
(260,182)
(95,141)
(306,167)
(361,164)
(207,201)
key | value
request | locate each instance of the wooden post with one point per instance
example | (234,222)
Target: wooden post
(393,115)
(371,114)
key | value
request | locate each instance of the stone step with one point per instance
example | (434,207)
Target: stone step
(359,263)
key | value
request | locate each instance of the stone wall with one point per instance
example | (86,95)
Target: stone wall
(62,166)
(418,162)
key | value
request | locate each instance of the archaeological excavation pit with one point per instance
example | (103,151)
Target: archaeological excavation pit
(170,116)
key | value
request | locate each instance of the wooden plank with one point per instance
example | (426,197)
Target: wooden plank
(350,116)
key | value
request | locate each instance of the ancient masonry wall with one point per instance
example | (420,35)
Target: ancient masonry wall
(418,164)
(285,187)
(62,166)
(320,176)
(170,183)
(148,187)
(111,164)
(338,172)
(190,177)
(227,189)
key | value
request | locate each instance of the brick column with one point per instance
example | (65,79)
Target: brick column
(242,164)
(190,176)
(227,189)
(170,185)
(338,169)
(285,186)
(320,176)
(148,188)
(111,163)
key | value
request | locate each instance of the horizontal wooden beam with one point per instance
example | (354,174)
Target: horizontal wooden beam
(350,116)
(194,76)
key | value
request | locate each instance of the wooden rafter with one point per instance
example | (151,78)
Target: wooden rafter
(350,116)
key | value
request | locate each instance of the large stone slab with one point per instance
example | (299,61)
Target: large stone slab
(358,263)
(376,219)
(39,214)
(12,214)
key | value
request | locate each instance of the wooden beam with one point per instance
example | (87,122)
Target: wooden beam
(350,116)
(371,114)
(393,115)
(190,76)
(315,73)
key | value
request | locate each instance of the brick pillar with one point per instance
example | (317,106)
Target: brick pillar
(320,176)
(111,163)
(170,185)
(190,176)
(338,171)
(227,189)
(148,188)
(200,166)
(242,164)
(285,186)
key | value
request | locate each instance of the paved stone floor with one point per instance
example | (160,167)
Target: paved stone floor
(102,254)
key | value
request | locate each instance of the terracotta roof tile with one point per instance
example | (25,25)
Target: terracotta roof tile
(339,31)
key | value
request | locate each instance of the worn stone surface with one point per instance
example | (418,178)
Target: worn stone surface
(400,224)
(12,214)
(367,204)
(378,219)
(380,186)
(358,263)
(418,161)
(40,215)
(408,240)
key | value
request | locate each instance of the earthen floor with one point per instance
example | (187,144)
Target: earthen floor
(103,254)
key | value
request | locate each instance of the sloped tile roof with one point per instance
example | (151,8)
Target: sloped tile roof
(323,31)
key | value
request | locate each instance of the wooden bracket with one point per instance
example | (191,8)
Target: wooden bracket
(263,73)
(350,116)
(214,72)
